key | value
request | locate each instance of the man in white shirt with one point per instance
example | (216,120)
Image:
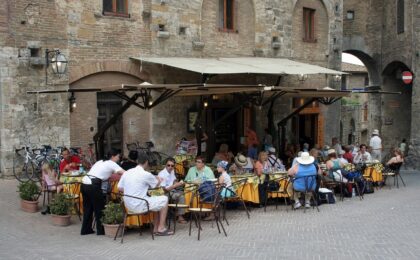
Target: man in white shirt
(170,185)
(134,184)
(362,156)
(273,161)
(93,198)
(376,144)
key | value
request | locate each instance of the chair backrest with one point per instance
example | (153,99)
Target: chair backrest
(396,167)
(236,185)
(305,183)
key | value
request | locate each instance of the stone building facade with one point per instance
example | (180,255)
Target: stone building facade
(385,35)
(99,44)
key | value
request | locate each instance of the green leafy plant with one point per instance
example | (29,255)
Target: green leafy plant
(29,191)
(112,214)
(60,205)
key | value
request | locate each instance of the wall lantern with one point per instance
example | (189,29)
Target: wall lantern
(337,78)
(72,102)
(57,61)
(302,77)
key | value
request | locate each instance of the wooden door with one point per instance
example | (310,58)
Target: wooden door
(107,106)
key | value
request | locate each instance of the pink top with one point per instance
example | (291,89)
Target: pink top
(51,183)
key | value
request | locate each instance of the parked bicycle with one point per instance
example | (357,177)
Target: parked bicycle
(154,157)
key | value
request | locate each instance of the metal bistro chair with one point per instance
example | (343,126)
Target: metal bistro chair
(280,192)
(47,190)
(236,197)
(128,214)
(393,170)
(309,181)
(173,208)
(215,209)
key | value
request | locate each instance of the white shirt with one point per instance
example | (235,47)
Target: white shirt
(168,178)
(275,162)
(135,182)
(226,179)
(362,158)
(102,170)
(375,142)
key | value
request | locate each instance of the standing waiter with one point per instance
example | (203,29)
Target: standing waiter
(93,198)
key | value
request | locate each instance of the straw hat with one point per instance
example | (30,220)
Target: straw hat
(375,132)
(331,151)
(305,158)
(240,160)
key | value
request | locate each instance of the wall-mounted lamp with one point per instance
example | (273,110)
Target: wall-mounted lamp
(58,63)
(150,100)
(302,77)
(337,78)
(205,103)
(72,102)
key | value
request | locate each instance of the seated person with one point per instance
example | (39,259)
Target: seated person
(224,179)
(253,152)
(348,154)
(200,172)
(50,179)
(241,165)
(222,155)
(131,161)
(362,155)
(69,162)
(170,185)
(304,167)
(295,159)
(135,182)
(262,165)
(275,162)
(341,158)
(398,158)
(334,166)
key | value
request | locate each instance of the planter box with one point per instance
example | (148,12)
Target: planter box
(58,220)
(29,206)
(111,230)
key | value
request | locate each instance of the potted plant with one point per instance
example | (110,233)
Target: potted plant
(112,217)
(60,208)
(29,193)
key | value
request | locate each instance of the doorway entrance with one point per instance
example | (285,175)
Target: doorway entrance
(305,127)
(108,105)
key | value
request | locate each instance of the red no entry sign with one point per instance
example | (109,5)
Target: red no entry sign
(407,77)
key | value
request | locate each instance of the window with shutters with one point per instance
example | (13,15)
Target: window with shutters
(116,8)
(400,16)
(227,15)
(309,25)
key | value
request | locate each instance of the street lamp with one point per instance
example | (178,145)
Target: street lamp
(58,63)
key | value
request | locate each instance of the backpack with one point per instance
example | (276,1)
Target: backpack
(207,191)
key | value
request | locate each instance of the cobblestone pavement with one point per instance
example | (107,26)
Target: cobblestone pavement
(382,226)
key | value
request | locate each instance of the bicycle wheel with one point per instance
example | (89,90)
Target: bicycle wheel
(155,158)
(19,169)
(37,169)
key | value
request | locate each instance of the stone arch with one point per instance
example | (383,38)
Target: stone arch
(370,63)
(91,68)
(327,5)
(396,109)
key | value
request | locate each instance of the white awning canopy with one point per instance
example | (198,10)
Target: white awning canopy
(242,65)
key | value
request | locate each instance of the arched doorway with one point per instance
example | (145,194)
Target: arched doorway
(396,109)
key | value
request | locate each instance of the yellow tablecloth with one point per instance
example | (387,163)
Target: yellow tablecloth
(376,175)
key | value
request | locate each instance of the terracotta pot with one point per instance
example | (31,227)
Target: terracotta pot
(111,230)
(58,220)
(29,206)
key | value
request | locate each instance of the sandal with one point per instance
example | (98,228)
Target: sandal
(166,232)
(182,221)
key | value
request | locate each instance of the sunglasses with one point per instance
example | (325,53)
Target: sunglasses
(170,165)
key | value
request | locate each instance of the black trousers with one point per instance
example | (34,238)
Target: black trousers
(93,202)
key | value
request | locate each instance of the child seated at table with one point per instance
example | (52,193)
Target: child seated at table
(50,178)
(224,179)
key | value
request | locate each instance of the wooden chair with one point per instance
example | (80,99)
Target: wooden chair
(280,191)
(215,210)
(128,214)
(236,197)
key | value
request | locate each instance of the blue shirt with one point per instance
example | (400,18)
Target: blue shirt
(305,170)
